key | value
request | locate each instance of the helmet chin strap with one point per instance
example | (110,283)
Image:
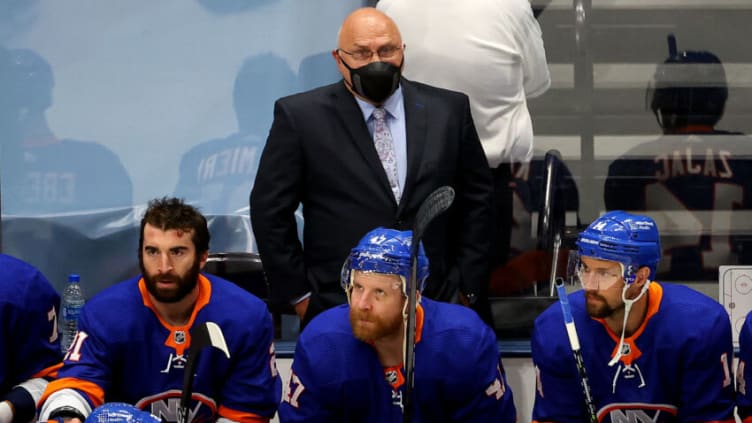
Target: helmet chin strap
(404,332)
(627,308)
(404,320)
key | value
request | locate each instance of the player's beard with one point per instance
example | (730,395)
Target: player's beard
(600,308)
(381,326)
(183,284)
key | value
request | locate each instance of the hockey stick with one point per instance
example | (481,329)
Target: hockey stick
(436,203)
(202,335)
(574,342)
(554,263)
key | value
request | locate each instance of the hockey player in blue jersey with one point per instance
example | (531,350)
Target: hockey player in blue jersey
(653,352)
(133,337)
(744,372)
(348,362)
(29,345)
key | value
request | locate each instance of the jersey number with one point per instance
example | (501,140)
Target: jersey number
(294,389)
(726,371)
(74,352)
(52,317)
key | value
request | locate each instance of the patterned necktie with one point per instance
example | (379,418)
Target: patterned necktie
(382,139)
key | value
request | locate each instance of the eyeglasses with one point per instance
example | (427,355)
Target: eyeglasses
(386,52)
(596,278)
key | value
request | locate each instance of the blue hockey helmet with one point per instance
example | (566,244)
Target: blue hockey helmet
(385,251)
(120,412)
(629,239)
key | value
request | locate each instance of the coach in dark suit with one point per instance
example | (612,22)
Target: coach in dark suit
(321,153)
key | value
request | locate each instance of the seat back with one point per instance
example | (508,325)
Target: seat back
(514,316)
(242,268)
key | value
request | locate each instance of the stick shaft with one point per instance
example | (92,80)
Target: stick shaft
(207,334)
(436,203)
(574,343)
(410,344)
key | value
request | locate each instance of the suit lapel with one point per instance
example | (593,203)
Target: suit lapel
(415,130)
(357,131)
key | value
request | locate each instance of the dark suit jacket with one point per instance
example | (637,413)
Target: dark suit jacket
(321,154)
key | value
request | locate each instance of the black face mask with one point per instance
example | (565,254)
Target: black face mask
(375,81)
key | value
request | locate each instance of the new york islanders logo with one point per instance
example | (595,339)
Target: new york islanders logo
(165,405)
(391,377)
(637,413)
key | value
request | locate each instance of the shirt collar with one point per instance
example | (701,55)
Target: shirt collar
(391,105)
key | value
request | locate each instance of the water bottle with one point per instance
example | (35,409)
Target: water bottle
(70,305)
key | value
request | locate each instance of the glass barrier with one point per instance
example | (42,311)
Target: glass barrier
(104,107)
(648,110)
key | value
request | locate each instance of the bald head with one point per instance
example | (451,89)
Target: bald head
(364,24)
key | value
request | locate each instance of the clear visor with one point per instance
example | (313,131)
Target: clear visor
(603,276)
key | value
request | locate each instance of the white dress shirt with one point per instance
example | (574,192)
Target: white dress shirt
(492,50)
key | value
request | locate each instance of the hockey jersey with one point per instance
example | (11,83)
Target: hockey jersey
(696,187)
(744,371)
(67,176)
(676,366)
(218,174)
(124,352)
(458,372)
(28,324)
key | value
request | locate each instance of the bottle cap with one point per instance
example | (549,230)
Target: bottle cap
(74,277)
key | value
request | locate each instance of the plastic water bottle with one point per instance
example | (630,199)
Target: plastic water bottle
(70,305)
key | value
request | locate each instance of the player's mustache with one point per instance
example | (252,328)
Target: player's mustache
(167,278)
(594,295)
(361,315)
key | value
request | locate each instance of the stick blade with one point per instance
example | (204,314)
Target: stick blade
(436,203)
(217,338)
(207,334)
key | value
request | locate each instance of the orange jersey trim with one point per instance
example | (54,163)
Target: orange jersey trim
(49,371)
(91,389)
(204,294)
(418,323)
(694,129)
(655,295)
(241,416)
